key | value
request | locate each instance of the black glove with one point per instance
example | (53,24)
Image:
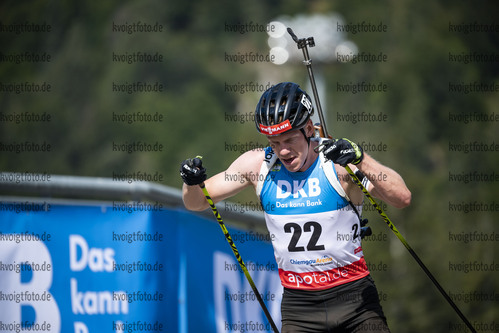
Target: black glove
(192,171)
(343,151)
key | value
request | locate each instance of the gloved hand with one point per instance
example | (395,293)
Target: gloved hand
(343,151)
(192,171)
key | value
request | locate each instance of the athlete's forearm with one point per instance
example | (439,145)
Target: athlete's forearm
(388,184)
(194,198)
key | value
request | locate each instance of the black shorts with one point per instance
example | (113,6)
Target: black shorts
(351,307)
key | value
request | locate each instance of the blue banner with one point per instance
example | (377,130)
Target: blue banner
(129,267)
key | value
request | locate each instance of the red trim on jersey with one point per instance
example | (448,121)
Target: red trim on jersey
(317,280)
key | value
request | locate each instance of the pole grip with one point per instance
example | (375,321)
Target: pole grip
(290,31)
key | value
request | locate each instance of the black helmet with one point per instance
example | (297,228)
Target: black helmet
(281,108)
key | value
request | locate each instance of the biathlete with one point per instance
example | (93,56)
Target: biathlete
(312,208)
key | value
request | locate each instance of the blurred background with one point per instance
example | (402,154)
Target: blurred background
(415,83)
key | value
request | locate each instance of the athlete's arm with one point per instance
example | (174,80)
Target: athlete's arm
(242,173)
(386,184)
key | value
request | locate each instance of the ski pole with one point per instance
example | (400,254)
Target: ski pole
(302,44)
(238,256)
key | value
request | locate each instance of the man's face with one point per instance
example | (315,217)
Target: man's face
(291,148)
